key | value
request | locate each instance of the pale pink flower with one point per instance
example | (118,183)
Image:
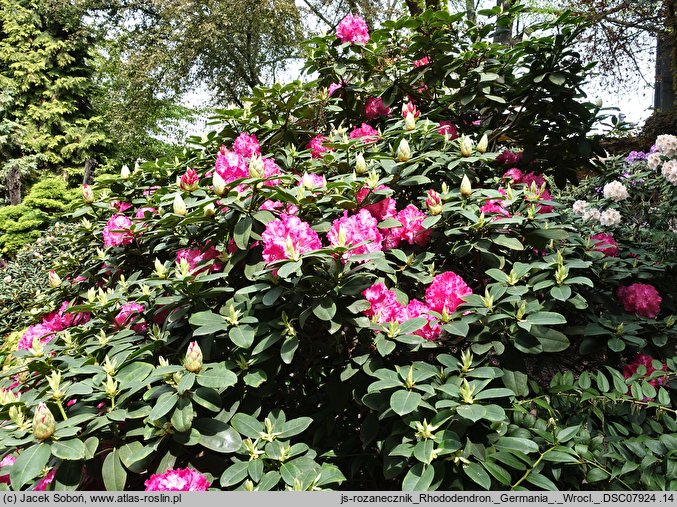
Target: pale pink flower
(493,208)
(182,479)
(141,212)
(270,169)
(130,315)
(375,107)
(640,298)
(366,132)
(385,208)
(448,129)
(384,305)
(117,231)
(316,147)
(289,208)
(445,292)
(410,107)
(246,145)
(333,87)
(196,256)
(352,28)
(288,237)
(606,244)
(360,229)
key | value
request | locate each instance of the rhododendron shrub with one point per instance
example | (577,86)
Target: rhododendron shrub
(335,299)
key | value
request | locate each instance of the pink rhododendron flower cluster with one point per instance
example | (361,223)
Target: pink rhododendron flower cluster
(355,229)
(52,323)
(385,208)
(312,181)
(445,292)
(230,165)
(352,28)
(412,230)
(647,361)
(509,158)
(495,206)
(44,483)
(130,316)
(270,169)
(181,479)
(366,132)
(374,107)
(288,208)
(196,256)
(605,244)
(246,145)
(141,212)
(117,231)
(120,206)
(333,87)
(421,62)
(640,298)
(317,147)
(7,461)
(288,237)
(448,129)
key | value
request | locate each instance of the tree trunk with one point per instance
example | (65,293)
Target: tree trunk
(470,10)
(13,181)
(503,34)
(90,165)
(666,79)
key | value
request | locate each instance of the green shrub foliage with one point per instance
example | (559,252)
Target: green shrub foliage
(376,308)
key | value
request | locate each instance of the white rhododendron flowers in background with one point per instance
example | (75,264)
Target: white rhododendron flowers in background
(615,191)
(579,207)
(669,171)
(610,218)
(667,145)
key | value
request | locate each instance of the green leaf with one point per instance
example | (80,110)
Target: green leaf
(207,323)
(242,336)
(566,434)
(234,474)
(419,478)
(517,382)
(541,481)
(596,474)
(404,402)
(183,415)
(289,346)
(28,465)
(217,378)
(602,382)
(295,426)
(242,232)
(478,475)
(546,318)
(551,340)
(207,398)
(423,451)
(560,457)
(472,412)
(561,292)
(325,309)
(512,243)
(557,78)
(113,473)
(163,405)
(217,436)
(255,378)
(517,444)
(72,449)
(247,425)
(499,473)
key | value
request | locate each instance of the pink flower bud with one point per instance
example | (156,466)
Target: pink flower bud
(54,280)
(87,194)
(189,180)
(193,361)
(44,424)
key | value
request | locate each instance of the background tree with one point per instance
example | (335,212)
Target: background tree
(46,117)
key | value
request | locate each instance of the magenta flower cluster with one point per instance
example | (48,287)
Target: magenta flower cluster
(52,323)
(640,298)
(352,28)
(117,231)
(443,296)
(180,479)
